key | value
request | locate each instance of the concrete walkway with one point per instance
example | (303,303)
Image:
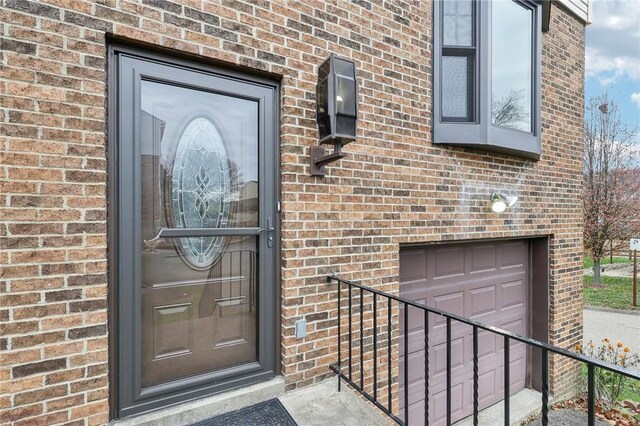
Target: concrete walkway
(614,270)
(617,327)
(323,405)
(626,271)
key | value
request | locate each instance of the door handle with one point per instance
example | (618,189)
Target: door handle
(269,230)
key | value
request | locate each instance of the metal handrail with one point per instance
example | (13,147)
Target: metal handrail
(507,335)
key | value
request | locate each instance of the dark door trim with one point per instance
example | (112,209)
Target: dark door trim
(207,384)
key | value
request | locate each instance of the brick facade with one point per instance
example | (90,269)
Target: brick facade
(393,188)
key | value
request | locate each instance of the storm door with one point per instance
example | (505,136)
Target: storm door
(195,239)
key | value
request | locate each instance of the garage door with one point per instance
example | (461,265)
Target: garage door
(485,281)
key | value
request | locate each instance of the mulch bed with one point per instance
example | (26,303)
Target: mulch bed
(627,416)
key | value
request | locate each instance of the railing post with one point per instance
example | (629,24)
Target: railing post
(361,341)
(507,381)
(350,335)
(389,354)
(375,346)
(339,340)
(426,367)
(545,387)
(449,381)
(406,364)
(591,390)
(475,376)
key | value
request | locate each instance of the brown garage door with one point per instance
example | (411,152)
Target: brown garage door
(485,281)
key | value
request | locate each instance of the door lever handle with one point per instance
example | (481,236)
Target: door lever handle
(269,230)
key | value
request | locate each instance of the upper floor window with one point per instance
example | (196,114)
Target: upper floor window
(487,75)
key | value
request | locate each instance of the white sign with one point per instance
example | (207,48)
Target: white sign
(634,244)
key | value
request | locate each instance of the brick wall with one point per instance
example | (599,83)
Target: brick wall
(394,187)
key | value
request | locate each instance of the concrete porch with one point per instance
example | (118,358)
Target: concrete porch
(317,405)
(322,404)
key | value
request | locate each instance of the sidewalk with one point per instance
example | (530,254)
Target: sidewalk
(617,327)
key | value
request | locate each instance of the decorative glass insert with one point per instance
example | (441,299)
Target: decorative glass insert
(200,190)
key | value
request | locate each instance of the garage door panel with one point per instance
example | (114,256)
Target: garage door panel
(416,317)
(416,410)
(415,268)
(517,378)
(515,326)
(487,386)
(514,254)
(482,258)
(440,355)
(416,362)
(452,302)
(487,344)
(440,403)
(448,262)
(482,300)
(513,293)
(483,281)
(414,287)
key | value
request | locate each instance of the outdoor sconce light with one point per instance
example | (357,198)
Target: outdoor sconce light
(500,201)
(336,110)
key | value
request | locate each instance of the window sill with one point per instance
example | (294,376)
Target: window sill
(489,138)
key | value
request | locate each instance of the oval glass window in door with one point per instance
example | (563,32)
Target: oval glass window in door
(200,190)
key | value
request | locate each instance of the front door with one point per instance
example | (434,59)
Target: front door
(195,229)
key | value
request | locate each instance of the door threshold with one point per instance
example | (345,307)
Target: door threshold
(204,408)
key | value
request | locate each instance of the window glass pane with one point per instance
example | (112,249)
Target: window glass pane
(455,86)
(512,68)
(458,23)
(199,159)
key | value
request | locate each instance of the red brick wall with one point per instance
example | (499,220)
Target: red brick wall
(394,187)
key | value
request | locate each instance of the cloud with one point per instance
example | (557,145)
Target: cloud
(635,98)
(613,40)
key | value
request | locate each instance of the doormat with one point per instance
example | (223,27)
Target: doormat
(268,413)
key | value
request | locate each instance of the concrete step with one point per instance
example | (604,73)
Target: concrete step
(206,408)
(522,405)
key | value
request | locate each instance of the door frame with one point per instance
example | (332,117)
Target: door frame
(205,385)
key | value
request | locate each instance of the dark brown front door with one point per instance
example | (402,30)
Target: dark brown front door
(485,281)
(196,232)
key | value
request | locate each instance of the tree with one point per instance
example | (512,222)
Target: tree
(611,191)
(509,110)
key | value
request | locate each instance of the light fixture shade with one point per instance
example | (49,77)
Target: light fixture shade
(500,201)
(337,101)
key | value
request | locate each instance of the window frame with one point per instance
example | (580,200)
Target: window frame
(480,132)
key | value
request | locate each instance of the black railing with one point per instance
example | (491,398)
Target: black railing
(386,403)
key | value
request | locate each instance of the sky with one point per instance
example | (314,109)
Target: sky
(613,55)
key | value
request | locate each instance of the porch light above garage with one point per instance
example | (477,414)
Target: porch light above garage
(336,110)
(500,201)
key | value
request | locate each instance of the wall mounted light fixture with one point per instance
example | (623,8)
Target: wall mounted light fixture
(500,201)
(336,110)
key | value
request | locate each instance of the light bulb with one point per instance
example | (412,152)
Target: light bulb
(498,206)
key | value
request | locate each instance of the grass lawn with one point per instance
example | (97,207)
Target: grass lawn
(615,292)
(631,391)
(587,262)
